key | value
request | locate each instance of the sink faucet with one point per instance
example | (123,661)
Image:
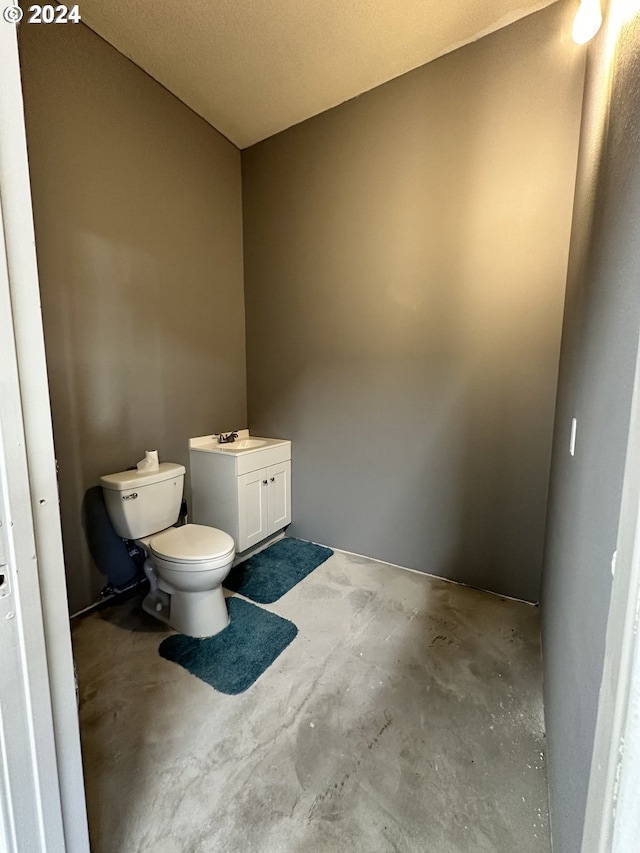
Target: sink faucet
(227,437)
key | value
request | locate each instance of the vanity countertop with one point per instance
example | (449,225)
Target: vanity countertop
(244,443)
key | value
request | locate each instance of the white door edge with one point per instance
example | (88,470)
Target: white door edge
(40,646)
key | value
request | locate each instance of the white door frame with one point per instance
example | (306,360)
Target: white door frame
(42,803)
(612,820)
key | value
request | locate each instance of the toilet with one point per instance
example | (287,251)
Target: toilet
(185,565)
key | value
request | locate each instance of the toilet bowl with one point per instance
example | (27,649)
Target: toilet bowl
(190,563)
(185,565)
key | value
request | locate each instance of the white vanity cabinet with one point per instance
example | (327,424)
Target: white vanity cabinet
(264,503)
(243,490)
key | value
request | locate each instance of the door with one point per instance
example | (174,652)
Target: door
(41,789)
(279,477)
(253,517)
(30,816)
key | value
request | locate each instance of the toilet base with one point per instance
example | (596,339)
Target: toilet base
(196,614)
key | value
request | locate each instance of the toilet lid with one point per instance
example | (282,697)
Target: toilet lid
(192,543)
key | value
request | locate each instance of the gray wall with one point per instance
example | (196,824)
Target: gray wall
(405,263)
(138,218)
(596,374)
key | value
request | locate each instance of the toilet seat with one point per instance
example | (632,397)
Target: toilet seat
(193,547)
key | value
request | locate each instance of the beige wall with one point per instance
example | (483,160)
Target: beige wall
(138,219)
(405,261)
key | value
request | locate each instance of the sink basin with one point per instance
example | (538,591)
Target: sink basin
(243,444)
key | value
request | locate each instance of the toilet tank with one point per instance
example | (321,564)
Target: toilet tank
(141,503)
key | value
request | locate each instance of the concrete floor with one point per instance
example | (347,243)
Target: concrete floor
(405,716)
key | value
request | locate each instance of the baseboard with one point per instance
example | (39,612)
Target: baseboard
(109,599)
(244,555)
(430,575)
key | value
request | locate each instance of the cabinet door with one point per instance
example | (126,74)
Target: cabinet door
(279,478)
(253,517)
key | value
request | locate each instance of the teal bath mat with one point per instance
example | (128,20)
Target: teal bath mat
(266,576)
(236,657)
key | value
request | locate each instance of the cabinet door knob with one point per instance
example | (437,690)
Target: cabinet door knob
(264,482)
(273,479)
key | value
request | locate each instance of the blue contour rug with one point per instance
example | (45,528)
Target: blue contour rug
(266,576)
(236,657)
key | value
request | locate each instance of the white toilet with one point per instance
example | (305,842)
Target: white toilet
(185,565)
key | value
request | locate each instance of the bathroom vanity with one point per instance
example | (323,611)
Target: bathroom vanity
(243,487)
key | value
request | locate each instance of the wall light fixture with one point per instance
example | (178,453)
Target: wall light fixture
(587,22)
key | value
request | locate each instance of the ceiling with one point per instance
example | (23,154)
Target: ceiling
(252,68)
